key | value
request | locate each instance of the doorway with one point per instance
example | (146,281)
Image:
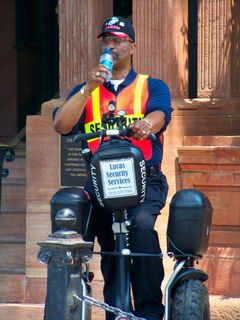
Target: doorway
(37,54)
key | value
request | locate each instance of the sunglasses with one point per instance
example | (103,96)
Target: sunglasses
(115,40)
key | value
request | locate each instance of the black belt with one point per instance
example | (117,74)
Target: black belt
(153,171)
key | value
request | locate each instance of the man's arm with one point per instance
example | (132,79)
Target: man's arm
(69,113)
(158,111)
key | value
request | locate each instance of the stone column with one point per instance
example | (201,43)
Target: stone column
(162,42)
(218,48)
(79,24)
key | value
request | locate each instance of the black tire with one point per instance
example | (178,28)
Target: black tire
(190,301)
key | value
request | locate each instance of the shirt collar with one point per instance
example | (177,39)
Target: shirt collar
(127,81)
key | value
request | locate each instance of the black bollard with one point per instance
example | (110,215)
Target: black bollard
(66,254)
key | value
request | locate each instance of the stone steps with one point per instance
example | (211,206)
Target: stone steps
(12,311)
(13,193)
(12,288)
(13,223)
(13,231)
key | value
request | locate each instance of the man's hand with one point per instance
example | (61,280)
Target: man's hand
(97,76)
(141,129)
(153,122)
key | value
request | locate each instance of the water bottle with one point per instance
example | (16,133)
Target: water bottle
(107,60)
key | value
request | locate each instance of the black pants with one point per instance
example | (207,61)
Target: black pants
(146,272)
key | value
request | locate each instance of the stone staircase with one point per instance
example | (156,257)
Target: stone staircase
(13,243)
(12,230)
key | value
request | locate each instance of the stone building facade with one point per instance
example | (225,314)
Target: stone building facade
(202,144)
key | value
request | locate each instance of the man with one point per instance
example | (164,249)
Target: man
(148,102)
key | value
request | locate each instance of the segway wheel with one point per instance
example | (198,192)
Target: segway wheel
(190,301)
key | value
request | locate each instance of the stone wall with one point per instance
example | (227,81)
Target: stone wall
(212,165)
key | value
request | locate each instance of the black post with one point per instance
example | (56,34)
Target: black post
(120,228)
(65,252)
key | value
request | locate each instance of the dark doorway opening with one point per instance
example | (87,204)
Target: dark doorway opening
(192,48)
(122,8)
(37,49)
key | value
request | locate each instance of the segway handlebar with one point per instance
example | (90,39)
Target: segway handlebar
(108,133)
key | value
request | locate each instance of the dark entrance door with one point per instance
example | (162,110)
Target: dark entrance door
(37,55)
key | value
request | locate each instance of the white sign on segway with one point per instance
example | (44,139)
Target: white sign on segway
(118,178)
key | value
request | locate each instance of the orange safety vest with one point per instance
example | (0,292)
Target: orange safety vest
(132,99)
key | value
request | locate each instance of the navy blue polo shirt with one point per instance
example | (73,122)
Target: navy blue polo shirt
(159,99)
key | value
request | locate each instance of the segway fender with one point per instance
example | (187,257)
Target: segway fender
(189,273)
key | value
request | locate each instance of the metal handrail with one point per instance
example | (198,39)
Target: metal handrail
(18,138)
(7,153)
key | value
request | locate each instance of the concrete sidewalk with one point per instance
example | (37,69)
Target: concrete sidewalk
(224,308)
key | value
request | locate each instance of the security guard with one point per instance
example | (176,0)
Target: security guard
(147,103)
